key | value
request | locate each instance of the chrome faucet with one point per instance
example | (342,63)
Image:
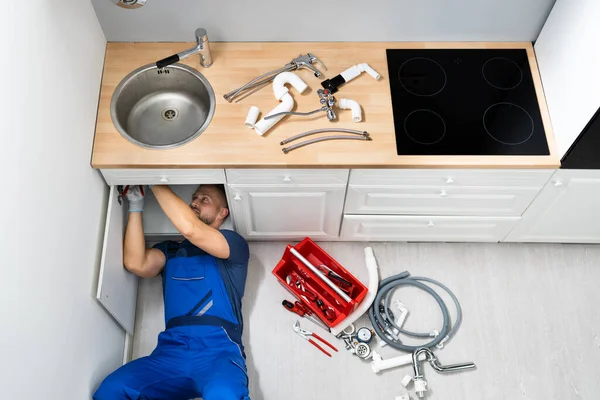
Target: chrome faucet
(202,48)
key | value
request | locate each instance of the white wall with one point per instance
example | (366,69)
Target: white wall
(326,20)
(56,341)
(569,61)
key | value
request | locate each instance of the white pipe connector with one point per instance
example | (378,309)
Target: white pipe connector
(282,94)
(252,117)
(378,364)
(357,69)
(373,286)
(348,104)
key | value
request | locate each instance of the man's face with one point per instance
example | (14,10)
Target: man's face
(207,204)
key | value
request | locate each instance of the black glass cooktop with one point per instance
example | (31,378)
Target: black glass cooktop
(465,102)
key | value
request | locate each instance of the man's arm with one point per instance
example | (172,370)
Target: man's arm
(187,223)
(139,260)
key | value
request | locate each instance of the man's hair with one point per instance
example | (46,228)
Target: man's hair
(221,190)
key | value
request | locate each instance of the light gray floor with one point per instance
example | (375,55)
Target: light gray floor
(531,324)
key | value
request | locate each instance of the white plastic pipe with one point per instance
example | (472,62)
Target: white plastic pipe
(373,286)
(252,117)
(348,104)
(356,70)
(282,94)
(378,364)
(262,126)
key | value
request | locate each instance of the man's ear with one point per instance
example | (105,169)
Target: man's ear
(223,213)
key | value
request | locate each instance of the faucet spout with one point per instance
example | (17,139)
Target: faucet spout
(202,48)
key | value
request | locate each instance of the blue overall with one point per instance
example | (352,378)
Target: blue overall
(200,354)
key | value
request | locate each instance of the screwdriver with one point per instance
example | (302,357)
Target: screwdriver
(302,311)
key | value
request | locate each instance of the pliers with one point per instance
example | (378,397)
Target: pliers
(308,335)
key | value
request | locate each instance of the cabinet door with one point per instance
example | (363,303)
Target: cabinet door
(566,211)
(117,288)
(420,228)
(287,213)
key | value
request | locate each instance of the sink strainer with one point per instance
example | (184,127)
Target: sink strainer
(169,113)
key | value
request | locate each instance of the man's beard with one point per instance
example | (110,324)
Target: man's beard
(203,218)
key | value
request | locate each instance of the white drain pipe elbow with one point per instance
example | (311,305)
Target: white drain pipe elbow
(287,103)
(282,94)
(348,104)
(373,286)
(280,80)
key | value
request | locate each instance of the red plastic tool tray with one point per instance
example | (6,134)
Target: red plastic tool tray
(317,256)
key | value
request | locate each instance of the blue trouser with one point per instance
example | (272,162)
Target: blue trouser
(188,362)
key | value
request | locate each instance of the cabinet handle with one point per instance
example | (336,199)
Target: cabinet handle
(558,183)
(287,178)
(449,181)
(430,224)
(237,197)
(164,179)
(443,193)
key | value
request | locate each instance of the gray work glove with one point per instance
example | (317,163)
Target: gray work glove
(135,198)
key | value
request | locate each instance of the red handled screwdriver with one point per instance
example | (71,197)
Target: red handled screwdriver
(302,311)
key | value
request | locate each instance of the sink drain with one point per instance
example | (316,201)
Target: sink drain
(169,114)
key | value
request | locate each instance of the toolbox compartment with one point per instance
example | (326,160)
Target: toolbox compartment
(289,264)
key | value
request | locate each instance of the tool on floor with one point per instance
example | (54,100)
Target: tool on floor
(357,342)
(316,271)
(349,74)
(304,312)
(308,335)
(383,321)
(420,384)
(302,61)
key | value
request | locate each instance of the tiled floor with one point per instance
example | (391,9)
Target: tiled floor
(531,324)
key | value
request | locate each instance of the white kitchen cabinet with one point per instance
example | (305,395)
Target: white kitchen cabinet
(430,200)
(566,211)
(280,212)
(162,176)
(421,228)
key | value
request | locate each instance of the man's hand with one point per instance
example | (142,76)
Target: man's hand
(135,197)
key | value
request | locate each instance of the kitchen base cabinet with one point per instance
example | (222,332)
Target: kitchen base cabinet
(279,212)
(566,211)
(420,228)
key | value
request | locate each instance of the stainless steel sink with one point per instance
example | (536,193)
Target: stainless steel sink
(162,109)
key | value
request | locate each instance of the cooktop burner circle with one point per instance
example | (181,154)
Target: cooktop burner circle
(425,126)
(508,123)
(502,73)
(422,76)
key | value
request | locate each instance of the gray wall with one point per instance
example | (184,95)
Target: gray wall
(312,20)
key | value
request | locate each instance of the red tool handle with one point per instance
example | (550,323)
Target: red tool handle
(294,308)
(318,347)
(324,341)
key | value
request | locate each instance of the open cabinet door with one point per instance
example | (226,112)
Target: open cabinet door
(117,288)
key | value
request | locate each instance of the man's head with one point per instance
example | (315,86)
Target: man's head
(209,203)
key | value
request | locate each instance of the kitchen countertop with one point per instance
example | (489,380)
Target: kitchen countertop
(227,143)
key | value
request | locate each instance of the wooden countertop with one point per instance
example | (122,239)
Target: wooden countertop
(227,143)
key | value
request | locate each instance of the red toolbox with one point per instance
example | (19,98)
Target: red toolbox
(304,284)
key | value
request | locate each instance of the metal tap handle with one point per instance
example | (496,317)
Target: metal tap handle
(314,58)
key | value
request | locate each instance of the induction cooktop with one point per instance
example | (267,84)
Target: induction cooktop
(465,102)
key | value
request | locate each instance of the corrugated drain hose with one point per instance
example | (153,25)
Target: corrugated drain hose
(379,320)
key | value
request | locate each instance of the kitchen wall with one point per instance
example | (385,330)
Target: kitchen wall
(56,341)
(318,20)
(569,61)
